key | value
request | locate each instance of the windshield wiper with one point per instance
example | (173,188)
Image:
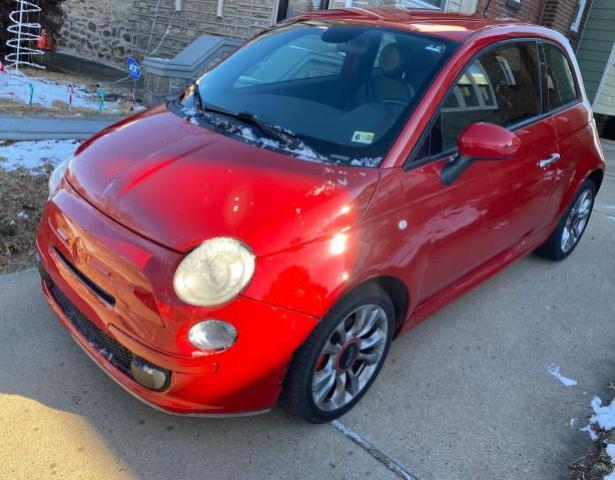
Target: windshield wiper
(272,131)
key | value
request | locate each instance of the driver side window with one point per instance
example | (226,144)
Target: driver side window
(500,87)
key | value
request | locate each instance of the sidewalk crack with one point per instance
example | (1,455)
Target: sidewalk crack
(375,452)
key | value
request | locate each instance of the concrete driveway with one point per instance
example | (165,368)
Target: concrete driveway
(465,395)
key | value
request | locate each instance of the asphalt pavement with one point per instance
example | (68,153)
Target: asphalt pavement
(465,395)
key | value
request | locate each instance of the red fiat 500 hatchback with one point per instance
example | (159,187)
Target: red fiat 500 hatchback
(336,180)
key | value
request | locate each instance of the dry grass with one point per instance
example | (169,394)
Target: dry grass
(113,92)
(594,466)
(597,464)
(22,198)
(58,110)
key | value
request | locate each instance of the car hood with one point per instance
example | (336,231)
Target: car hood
(179,184)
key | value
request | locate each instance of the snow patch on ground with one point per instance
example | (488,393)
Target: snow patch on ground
(15,86)
(603,419)
(604,416)
(554,370)
(34,155)
(590,432)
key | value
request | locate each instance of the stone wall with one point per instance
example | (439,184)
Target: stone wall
(108,31)
(240,19)
(98,30)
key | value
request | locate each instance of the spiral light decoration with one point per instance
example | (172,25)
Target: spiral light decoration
(24,43)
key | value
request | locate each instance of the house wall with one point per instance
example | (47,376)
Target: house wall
(528,11)
(596,46)
(240,20)
(462,6)
(107,31)
(98,30)
(604,103)
(555,14)
(558,15)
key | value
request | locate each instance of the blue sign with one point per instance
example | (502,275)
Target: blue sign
(134,70)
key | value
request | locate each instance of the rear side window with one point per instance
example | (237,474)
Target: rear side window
(501,87)
(560,82)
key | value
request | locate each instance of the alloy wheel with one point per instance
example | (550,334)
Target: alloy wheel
(350,357)
(577,220)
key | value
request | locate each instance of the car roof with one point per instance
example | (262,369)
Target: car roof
(451,26)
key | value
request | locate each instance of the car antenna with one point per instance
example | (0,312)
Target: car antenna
(486,8)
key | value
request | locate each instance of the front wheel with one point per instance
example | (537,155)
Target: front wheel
(341,358)
(571,226)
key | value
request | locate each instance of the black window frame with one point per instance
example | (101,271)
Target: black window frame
(412,162)
(545,87)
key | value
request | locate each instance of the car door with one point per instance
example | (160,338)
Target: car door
(494,206)
(572,124)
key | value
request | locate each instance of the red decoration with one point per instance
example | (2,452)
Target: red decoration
(44,43)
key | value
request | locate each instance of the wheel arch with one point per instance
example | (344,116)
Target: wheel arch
(395,288)
(596,176)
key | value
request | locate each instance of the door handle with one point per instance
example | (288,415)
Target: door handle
(544,163)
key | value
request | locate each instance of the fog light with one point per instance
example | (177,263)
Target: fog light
(148,375)
(212,335)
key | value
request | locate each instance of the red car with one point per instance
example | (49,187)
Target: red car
(332,183)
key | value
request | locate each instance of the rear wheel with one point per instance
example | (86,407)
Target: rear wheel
(341,358)
(571,226)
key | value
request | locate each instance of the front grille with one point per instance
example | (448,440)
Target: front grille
(117,354)
(107,297)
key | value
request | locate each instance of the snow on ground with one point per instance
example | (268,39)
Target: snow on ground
(15,86)
(554,370)
(604,416)
(603,419)
(34,155)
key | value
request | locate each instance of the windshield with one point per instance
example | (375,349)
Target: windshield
(342,91)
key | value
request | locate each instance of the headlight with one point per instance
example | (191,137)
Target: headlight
(214,272)
(56,176)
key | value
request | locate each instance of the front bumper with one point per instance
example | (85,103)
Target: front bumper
(112,290)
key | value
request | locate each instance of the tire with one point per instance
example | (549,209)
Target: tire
(325,354)
(564,238)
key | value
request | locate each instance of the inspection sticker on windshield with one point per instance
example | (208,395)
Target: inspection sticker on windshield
(362,137)
(434,48)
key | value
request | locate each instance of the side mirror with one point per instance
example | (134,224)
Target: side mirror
(480,141)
